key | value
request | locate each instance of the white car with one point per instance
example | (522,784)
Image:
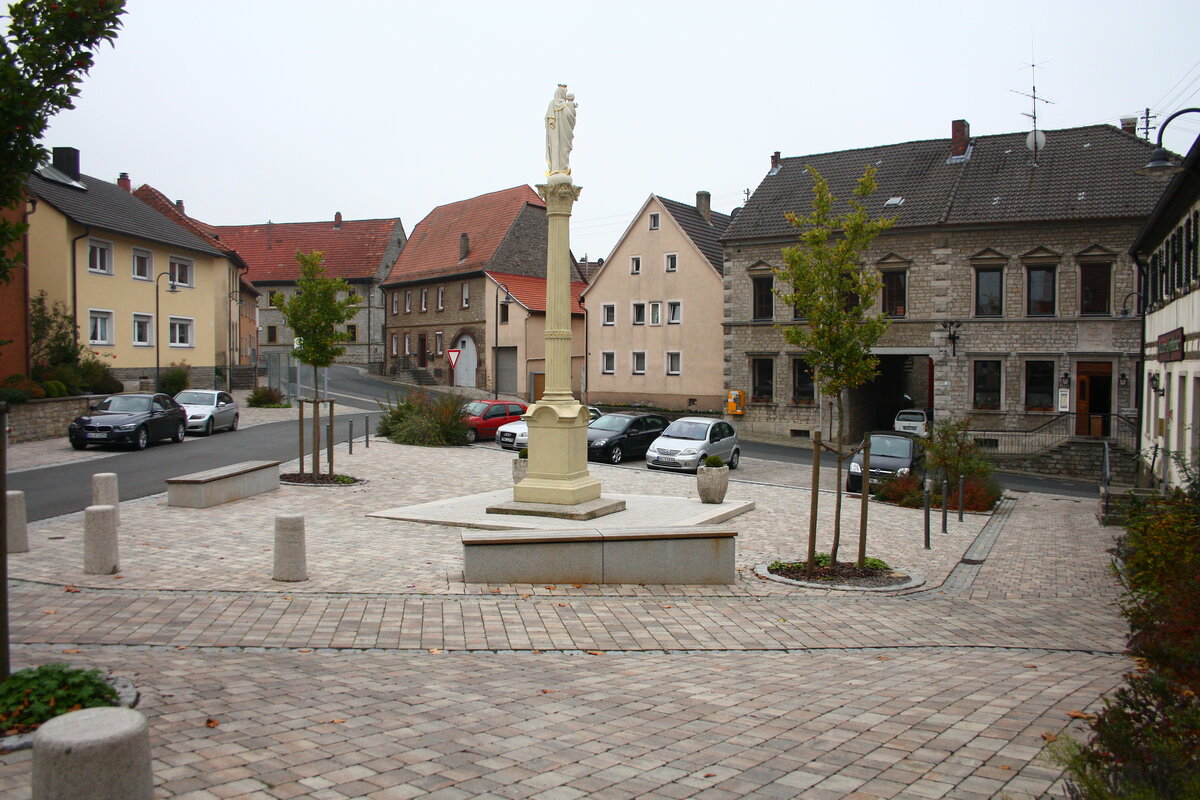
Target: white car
(687,441)
(515,435)
(208,409)
(912,420)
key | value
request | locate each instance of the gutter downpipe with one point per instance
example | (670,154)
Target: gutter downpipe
(87,231)
(1141,372)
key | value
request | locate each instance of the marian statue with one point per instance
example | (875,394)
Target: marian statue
(560,131)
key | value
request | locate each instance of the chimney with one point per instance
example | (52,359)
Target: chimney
(1129,125)
(123,182)
(179,207)
(66,161)
(775,160)
(337,220)
(704,205)
(464,247)
(960,137)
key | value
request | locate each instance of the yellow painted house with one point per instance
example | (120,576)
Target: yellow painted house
(145,292)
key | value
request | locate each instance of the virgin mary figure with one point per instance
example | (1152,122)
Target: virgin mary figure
(560,131)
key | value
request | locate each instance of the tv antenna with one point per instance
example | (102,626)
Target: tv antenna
(1036,140)
(1146,126)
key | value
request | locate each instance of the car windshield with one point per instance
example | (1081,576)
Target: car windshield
(609,422)
(910,416)
(125,404)
(196,398)
(894,446)
(476,409)
(687,429)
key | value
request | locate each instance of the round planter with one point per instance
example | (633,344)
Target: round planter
(520,467)
(712,483)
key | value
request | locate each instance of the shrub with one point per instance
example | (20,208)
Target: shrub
(175,378)
(951,448)
(66,374)
(10,395)
(904,490)
(981,492)
(98,378)
(713,461)
(420,430)
(265,397)
(395,411)
(31,696)
(54,388)
(523,453)
(441,414)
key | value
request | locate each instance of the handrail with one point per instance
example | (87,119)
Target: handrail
(1060,428)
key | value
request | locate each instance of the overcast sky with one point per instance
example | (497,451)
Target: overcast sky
(256,110)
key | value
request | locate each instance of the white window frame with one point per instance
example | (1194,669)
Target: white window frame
(608,362)
(133,262)
(466,295)
(408,301)
(149,320)
(100,246)
(677,307)
(655,315)
(352,332)
(188,324)
(671,262)
(441,298)
(408,344)
(396,303)
(395,346)
(634,358)
(438,343)
(608,314)
(424,299)
(654,221)
(678,358)
(105,314)
(173,265)
(633,314)
(635,265)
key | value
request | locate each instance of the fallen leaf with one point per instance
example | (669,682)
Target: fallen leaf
(49,611)
(551,587)
(594,652)
(547,691)
(1005,767)
(667,606)
(576,585)
(562,605)
(1049,737)
(537,652)
(710,774)
(1080,715)
(337,721)
(70,589)
(524,595)
(437,651)
(211,723)
(181,647)
(1031,666)
(118,577)
(883,658)
(305,650)
(72,651)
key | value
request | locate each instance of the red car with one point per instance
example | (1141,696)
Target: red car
(485,416)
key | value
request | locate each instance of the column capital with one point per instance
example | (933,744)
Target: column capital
(559,193)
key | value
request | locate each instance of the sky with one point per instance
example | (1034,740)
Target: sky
(291,110)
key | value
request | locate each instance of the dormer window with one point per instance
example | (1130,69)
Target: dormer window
(654,222)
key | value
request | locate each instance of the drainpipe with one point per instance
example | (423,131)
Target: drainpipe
(87,231)
(1142,293)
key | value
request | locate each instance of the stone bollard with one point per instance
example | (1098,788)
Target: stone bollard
(98,753)
(100,540)
(290,561)
(105,492)
(18,530)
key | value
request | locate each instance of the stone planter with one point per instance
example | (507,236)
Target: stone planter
(520,467)
(712,483)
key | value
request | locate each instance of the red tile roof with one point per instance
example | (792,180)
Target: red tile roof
(433,248)
(353,250)
(163,205)
(531,292)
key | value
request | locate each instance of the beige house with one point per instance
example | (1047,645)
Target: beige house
(655,309)
(519,357)
(111,259)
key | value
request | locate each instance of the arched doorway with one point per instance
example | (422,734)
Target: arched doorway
(468,361)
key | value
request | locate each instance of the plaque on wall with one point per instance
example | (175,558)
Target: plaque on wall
(1094,337)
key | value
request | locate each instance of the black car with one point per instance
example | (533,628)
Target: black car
(616,437)
(130,419)
(893,454)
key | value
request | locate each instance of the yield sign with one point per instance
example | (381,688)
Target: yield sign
(453,356)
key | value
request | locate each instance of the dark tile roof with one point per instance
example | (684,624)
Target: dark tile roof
(1084,173)
(354,249)
(104,206)
(706,237)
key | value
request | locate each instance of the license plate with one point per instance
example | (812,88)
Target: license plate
(92,435)
(666,461)
(507,437)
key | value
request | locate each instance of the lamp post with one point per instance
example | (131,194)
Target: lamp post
(1161,165)
(157,338)
(508,298)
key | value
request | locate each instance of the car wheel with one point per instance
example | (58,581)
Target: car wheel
(141,438)
(734,458)
(180,434)
(472,435)
(79,445)
(233,425)
(616,455)
(208,427)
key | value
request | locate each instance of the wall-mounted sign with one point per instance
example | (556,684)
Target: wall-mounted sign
(1064,399)
(1170,346)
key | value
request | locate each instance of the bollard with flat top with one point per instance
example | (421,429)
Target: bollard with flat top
(105,492)
(18,530)
(97,753)
(100,556)
(962,480)
(290,558)
(945,504)
(928,490)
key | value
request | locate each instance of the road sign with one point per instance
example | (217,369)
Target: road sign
(453,356)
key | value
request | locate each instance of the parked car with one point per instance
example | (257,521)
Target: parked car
(130,419)
(485,416)
(515,435)
(893,454)
(687,441)
(913,420)
(208,409)
(616,437)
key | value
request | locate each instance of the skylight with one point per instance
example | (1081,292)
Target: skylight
(894,201)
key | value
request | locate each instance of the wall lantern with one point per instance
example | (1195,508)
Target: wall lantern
(951,327)
(1123,381)
(1155,386)
(1064,380)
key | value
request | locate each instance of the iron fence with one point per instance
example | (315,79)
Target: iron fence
(1060,428)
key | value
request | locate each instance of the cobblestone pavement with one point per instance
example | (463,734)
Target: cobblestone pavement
(386,676)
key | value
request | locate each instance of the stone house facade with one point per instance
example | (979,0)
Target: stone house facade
(1003,281)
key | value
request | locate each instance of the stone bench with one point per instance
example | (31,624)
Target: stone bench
(223,484)
(695,555)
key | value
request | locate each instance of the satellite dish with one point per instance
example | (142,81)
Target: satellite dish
(1036,141)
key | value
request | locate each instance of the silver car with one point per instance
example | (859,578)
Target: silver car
(208,409)
(515,435)
(687,441)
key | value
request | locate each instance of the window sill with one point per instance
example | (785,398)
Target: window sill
(183,347)
(100,344)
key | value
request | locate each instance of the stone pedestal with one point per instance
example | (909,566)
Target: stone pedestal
(105,492)
(98,753)
(16,522)
(291,560)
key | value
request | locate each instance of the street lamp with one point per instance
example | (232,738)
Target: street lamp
(1161,165)
(1125,303)
(158,339)
(508,298)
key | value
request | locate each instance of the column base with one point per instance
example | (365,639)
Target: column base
(558,471)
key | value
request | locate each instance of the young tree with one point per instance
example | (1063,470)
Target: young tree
(43,56)
(833,295)
(314,314)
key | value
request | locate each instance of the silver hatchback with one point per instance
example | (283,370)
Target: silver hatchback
(687,441)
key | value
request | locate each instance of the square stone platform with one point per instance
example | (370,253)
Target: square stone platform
(471,511)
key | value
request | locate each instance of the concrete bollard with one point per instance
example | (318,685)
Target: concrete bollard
(100,555)
(105,492)
(18,530)
(290,561)
(98,753)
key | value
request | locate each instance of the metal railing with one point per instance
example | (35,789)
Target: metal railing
(1060,428)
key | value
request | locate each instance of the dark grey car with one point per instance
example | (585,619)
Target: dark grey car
(130,419)
(616,437)
(893,454)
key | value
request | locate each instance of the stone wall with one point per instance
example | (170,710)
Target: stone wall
(1077,458)
(48,418)
(452,320)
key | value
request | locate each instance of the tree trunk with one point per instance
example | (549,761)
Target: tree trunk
(866,488)
(837,506)
(316,459)
(812,507)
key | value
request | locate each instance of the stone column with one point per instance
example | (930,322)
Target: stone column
(105,491)
(100,555)
(17,522)
(291,562)
(558,471)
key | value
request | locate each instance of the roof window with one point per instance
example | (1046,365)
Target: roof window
(894,201)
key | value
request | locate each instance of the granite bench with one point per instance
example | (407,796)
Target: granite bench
(223,484)
(683,555)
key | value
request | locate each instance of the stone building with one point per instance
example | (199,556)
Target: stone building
(1003,277)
